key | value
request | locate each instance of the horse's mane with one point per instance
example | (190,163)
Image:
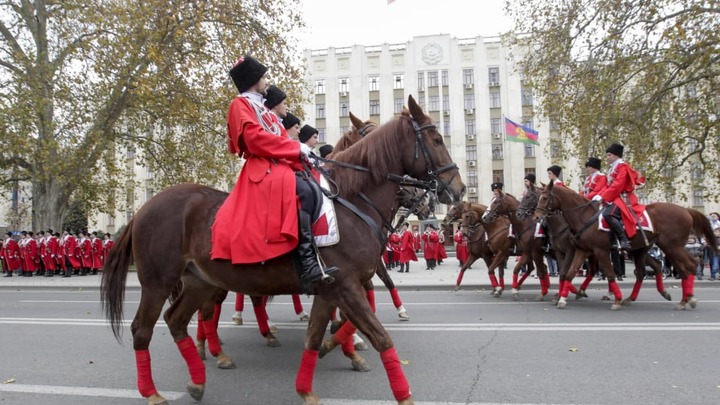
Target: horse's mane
(349,138)
(570,194)
(375,152)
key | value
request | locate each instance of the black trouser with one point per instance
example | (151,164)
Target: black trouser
(305,194)
(610,211)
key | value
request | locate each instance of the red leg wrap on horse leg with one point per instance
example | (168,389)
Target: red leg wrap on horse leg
(493,281)
(371,298)
(395,297)
(297,304)
(459,278)
(212,337)
(586,282)
(216,315)
(515,281)
(571,287)
(239,302)
(545,284)
(262,318)
(348,347)
(145,383)
(565,291)
(304,379)
(659,282)
(195,366)
(688,286)
(398,383)
(200,328)
(636,290)
(502,282)
(344,333)
(615,289)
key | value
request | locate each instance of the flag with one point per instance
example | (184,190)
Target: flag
(519,133)
(390,1)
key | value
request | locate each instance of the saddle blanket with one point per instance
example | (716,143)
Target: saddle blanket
(325,229)
(645,223)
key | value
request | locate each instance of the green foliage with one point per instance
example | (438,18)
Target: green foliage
(644,73)
(76,218)
(81,81)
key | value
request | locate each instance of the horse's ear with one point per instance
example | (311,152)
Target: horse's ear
(415,110)
(542,185)
(357,123)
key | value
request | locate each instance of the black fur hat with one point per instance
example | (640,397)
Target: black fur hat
(246,72)
(274,96)
(616,149)
(306,132)
(555,169)
(496,186)
(325,150)
(530,177)
(593,162)
(290,121)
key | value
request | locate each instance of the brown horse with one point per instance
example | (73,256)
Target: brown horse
(169,240)
(672,225)
(497,239)
(507,206)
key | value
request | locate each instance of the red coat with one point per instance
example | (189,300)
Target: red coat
(12,254)
(31,259)
(430,248)
(594,185)
(416,240)
(394,244)
(461,248)
(51,253)
(621,183)
(107,245)
(251,226)
(70,251)
(85,252)
(407,247)
(97,251)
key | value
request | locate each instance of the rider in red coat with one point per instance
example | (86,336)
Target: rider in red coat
(620,196)
(260,219)
(407,248)
(596,180)
(461,247)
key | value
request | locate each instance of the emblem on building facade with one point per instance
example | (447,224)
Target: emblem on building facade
(431,53)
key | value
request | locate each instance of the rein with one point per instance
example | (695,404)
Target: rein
(586,224)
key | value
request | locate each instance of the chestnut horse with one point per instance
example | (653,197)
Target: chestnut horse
(507,206)
(671,223)
(169,241)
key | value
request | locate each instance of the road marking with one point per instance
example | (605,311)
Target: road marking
(82,391)
(333,401)
(427,327)
(412,304)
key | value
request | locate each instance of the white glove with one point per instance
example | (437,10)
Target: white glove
(305,149)
(597,198)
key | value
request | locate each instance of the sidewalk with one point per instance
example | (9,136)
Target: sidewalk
(443,277)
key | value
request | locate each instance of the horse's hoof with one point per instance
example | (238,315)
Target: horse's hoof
(224,362)
(335,326)
(304,317)
(403,316)
(498,292)
(562,303)
(310,398)
(457,288)
(361,346)
(540,297)
(580,294)
(325,348)
(615,307)
(407,401)
(627,301)
(680,306)
(157,399)
(360,365)
(666,295)
(196,391)
(274,329)
(605,298)
(272,342)
(693,302)
(237,319)
(516,297)
(201,350)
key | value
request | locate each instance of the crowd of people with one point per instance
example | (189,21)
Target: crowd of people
(48,253)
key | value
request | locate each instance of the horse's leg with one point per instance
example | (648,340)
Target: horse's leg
(516,271)
(657,267)
(497,291)
(208,320)
(149,309)
(605,263)
(685,266)
(358,311)
(639,259)
(299,310)
(382,272)
(239,306)
(566,279)
(319,318)
(260,308)
(542,273)
(471,259)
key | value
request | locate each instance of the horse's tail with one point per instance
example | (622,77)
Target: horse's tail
(703,228)
(112,286)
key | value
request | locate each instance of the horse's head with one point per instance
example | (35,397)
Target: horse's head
(454,213)
(357,132)
(497,207)
(419,202)
(547,201)
(429,159)
(470,221)
(528,202)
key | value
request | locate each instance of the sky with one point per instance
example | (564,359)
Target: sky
(340,23)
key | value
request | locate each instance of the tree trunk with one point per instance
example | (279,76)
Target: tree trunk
(49,206)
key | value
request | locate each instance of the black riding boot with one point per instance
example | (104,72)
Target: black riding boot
(309,271)
(619,232)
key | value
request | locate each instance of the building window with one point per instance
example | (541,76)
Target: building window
(469,101)
(698,200)
(494,75)
(446,103)
(529,150)
(344,109)
(434,103)
(472,178)
(110,220)
(149,175)
(446,127)
(473,200)
(526,96)
(470,127)
(398,82)
(444,78)
(495,128)
(554,124)
(374,83)
(319,86)
(528,122)
(421,81)
(343,85)
(374,107)
(320,111)
(468,77)
(494,99)
(529,170)
(321,135)
(497,152)
(432,78)
(398,105)
(471,153)
(498,176)
(344,129)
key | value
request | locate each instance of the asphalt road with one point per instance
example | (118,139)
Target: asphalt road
(458,348)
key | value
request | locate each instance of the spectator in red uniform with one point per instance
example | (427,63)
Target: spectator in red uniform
(430,238)
(85,247)
(107,245)
(12,255)
(97,252)
(461,247)
(407,248)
